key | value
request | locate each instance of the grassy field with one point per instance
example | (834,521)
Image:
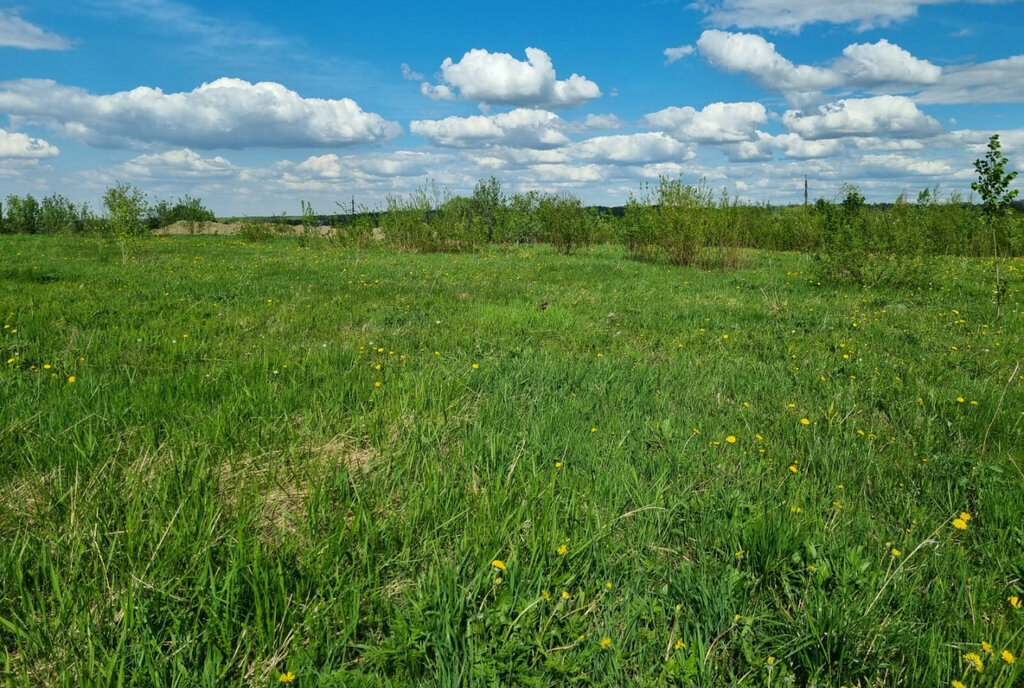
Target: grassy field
(232,464)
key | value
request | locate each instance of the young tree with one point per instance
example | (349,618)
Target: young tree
(22,214)
(994,181)
(993,186)
(126,216)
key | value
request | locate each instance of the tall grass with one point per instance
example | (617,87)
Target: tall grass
(234,460)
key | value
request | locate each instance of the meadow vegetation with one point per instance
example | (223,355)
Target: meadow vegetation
(516,441)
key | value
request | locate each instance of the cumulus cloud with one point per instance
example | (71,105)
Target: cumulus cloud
(791,145)
(500,79)
(607,121)
(882,65)
(998,81)
(630,149)
(14,144)
(520,127)
(226,113)
(678,53)
(177,164)
(877,116)
(409,75)
(785,15)
(15,32)
(715,123)
(384,165)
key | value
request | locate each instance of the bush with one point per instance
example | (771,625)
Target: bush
(260,230)
(22,214)
(189,210)
(126,216)
(564,222)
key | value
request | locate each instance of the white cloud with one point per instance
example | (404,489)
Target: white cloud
(15,32)
(607,121)
(500,79)
(678,53)
(791,145)
(786,15)
(14,144)
(998,81)
(227,113)
(520,127)
(716,123)
(630,149)
(880,115)
(177,164)
(883,63)
(409,75)
(745,52)
(874,66)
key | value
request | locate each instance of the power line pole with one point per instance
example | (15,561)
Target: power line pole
(805,189)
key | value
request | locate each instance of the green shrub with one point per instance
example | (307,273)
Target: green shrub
(564,222)
(127,209)
(22,214)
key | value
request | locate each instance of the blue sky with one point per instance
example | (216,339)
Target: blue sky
(255,105)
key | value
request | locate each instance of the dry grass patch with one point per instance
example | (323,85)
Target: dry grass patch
(279,485)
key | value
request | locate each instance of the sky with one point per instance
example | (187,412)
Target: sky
(255,105)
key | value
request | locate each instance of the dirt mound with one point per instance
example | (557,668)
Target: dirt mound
(183,227)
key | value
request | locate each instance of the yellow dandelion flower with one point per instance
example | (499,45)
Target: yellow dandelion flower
(593,429)
(377,383)
(558,464)
(987,649)
(965,516)
(895,552)
(499,564)
(805,421)
(46,366)
(608,585)
(974,661)
(731,439)
(771,660)
(562,549)
(959,524)
(1014,601)
(959,400)
(958,684)
(606,641)
(71,380)
(546,595)
(792,468)
(565,594)
(286,677)
(475,366)
(680,644)
(1007,657)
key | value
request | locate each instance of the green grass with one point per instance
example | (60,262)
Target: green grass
(224,493)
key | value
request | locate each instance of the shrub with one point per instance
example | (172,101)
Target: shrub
(22,214)
(126,216)
(564,222)
(58,214)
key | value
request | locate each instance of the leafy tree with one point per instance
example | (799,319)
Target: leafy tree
(57,214)
(488,206)
(994,181)
(993,186)
(127,208)
(22,214)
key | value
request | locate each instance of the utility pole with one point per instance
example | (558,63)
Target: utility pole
(353,205)
(805,190)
